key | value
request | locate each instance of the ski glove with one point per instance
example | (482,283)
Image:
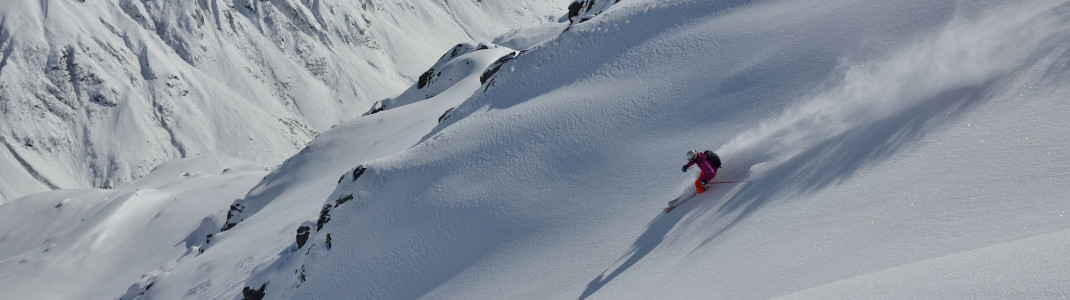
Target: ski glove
(684,169)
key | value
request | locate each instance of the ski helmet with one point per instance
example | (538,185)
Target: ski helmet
(691,154)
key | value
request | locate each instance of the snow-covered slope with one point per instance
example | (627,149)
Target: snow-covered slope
(96,93)
(262,224)
(898,149)
(857,126)
(91,244)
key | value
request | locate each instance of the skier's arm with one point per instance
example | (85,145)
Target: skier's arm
(688,165)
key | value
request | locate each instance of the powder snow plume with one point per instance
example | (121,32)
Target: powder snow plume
(875,107)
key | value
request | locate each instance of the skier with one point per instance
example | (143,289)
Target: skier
(708,162)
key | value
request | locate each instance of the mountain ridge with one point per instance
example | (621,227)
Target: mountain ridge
(249,79)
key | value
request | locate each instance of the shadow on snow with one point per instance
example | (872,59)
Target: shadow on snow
(823,163)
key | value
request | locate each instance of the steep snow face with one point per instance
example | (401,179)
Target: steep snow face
(95,93)
(261,233)
(847,118)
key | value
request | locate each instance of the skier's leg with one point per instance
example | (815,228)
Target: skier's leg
(699,187)
(705,178)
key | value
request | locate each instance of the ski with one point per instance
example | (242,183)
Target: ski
(670,208)
(676,202)
(680,200)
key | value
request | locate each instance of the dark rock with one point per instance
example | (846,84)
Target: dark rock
(234,215)
(358,171)
(583,10)
(445,115)
(580,8)
(138,289)
(494,67)
(302,236)
(574,9)
(325,216)
(343,200)
(457,50)
(251,294)
(102,100)
(426,78)
(377,107)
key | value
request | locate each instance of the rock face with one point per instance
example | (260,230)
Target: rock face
(96,93)
(234,214)
(254,294)
(497,65)
(302,236)
(582,10)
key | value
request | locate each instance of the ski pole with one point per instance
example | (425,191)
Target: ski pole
(728,181)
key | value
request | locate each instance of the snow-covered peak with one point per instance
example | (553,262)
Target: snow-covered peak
(96,93)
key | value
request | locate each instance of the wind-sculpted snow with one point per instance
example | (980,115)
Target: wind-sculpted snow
(96,93)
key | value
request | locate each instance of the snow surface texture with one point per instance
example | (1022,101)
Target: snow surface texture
(97,93)
(902,149)
(91,244)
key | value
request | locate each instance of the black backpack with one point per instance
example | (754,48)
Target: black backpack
(715,161)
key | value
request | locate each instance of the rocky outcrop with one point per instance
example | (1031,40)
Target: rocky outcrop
(302,235)
(234,215)
(497,65)
(583,10)
(447,71)
(249,293)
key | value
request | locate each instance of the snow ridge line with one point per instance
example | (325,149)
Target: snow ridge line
(27,166)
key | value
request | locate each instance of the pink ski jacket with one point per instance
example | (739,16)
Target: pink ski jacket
(708,172)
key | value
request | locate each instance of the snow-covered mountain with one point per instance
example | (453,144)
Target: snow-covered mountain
(90,243)
(891,149)
(97,93)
